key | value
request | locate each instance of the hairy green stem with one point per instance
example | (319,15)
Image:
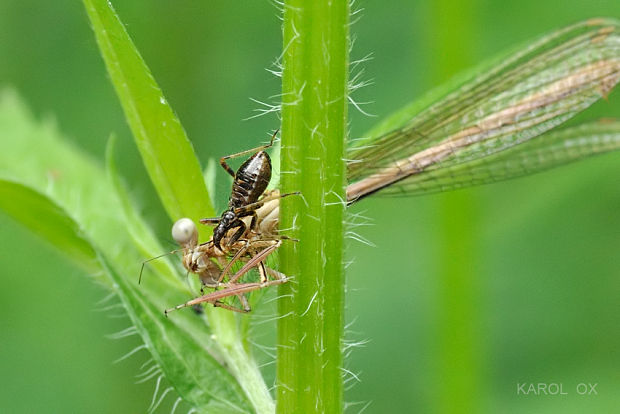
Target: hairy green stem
(314,113)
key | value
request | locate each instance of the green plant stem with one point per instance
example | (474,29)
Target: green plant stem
(239,362)
(314,110)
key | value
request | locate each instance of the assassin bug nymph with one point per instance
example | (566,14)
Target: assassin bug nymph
(234,238)
(249,183)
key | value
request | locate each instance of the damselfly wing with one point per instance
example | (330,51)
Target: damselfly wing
(494,125)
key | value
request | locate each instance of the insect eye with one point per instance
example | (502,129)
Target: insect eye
(184,231)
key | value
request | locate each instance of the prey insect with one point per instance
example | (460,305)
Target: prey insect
(212,265)
(232,288)
(245,232)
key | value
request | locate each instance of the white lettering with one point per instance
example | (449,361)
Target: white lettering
(542,388)
(554,389)
(582,388)
(593,388)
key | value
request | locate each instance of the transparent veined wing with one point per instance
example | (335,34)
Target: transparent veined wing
(486,129)
(554,148)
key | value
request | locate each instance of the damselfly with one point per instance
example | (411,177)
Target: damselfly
(496,125)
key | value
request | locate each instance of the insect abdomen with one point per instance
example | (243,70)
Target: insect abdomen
(251,180)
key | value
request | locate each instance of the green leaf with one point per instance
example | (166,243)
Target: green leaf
(172,165)
(209,175)
(37,157)
(196,376)
(167,153)
(84,208)
(45,218)
(142,235)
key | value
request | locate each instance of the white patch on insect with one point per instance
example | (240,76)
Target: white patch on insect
(184,231)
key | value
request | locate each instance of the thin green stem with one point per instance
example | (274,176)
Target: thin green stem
(314,110)
(239,362)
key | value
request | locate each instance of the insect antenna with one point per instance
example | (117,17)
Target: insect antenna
(154,258)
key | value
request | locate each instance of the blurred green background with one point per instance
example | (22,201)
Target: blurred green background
(465,296)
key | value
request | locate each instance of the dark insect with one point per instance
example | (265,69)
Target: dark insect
(249,183)
(234,239)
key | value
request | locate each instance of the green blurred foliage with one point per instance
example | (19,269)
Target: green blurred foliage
(541,252)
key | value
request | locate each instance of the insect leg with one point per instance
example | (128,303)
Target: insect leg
(242,299)
(276,275)
(210,221)
(255,261)
(250,151)
(255,206)
(242,229)
(263,272)
(236,257)
(247,209)
(254,219)
(234,289)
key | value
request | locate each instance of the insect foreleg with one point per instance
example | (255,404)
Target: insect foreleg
(238,154)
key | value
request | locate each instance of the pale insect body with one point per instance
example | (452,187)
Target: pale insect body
(199,258)
(258,250)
